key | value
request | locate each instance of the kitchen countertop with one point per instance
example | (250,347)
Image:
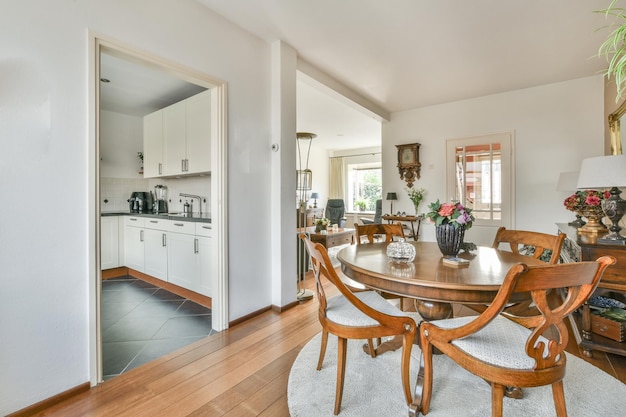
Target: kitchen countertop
(194,217)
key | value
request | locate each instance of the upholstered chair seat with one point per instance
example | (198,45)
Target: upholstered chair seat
(341,311)
(500,343)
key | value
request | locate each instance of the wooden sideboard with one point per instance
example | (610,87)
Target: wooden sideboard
(585,247)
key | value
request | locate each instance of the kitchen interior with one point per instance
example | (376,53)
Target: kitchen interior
(155,190)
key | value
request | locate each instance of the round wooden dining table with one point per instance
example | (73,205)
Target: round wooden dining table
(434,284)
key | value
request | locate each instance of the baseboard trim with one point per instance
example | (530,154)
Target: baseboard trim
(280,309)
(183,292)
(249,316)
(114,272)
(49,402)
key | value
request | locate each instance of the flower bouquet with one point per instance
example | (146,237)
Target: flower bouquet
(450,213)
(451,220)
(587,203)
(416,196)
(321,224)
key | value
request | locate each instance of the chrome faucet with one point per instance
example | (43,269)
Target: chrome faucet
(194,196)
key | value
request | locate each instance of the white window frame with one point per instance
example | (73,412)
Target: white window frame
(348,185)
(506,141)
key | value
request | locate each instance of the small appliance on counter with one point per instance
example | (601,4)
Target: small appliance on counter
(160,202)
(137,202)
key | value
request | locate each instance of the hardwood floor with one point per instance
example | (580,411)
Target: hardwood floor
(239,372)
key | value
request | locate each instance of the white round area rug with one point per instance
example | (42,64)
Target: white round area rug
(373,388)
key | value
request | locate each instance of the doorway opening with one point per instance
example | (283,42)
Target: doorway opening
(185,82)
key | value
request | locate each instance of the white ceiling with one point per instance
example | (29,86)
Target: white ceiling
(399,54)
(403,54)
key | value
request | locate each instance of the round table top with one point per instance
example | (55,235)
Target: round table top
(427,277)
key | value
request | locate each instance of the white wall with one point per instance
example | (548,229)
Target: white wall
(121,137)
(556,126)
(44,109)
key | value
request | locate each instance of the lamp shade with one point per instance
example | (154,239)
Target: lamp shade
(568,181)
(602,172)
(392,196)
(315,195)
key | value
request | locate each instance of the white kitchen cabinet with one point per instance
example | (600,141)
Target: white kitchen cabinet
(204,258)
(153,145)
(174,138)
(155,248)
(184,131)
(182,269)
(109,242)
(176,251)
(199,132)
(134,256)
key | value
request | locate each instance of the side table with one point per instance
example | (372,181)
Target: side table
(408,219)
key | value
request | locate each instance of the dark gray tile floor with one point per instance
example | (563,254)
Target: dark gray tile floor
(142,322)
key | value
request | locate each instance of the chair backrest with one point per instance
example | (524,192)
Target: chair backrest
(371,231)
(578,279)
(335,210)
(541,242)
(322,266)
(378,214)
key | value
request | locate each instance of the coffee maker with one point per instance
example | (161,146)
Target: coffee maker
(137,202)
(160,202)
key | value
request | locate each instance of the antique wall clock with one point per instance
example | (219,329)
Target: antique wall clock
(409,162)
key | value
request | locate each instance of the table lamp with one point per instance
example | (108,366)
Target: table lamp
(391,197)
(567,182)
(607,172)
(314,197)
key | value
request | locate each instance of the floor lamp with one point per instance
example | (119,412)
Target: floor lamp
(304,179)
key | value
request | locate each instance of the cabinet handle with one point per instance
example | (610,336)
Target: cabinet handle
(141,235)
(164,240)
(132,219)
(195,245)
(160,168)
(179,224)
(186,164)
(182,165)
(154,221)
(206,227)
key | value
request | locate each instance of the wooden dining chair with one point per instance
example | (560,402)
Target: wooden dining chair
(521,239)
(362,315)
(535,244)
(514,351)
(374,232)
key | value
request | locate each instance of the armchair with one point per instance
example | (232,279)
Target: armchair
(335,212)
(513,351)
(377,215)
(362,315)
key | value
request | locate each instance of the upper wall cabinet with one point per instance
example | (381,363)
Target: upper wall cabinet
(177,139)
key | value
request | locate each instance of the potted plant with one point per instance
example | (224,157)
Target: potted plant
(451,220)
(361,204)
(614,47)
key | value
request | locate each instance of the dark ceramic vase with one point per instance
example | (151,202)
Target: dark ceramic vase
(449,238)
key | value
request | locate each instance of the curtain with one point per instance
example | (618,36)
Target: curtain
(336,178)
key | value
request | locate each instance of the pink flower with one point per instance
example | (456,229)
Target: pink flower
(446,209)
(592,200)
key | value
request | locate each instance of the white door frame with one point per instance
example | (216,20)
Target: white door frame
(219,181)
